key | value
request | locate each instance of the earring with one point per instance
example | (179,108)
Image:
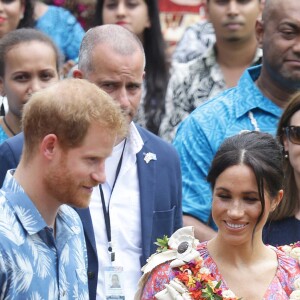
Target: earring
(21,16)
(286,155)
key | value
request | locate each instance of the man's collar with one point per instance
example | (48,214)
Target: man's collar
(250,96)
(134,139)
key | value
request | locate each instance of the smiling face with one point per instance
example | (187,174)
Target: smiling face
(233,20)
(132,14)
(29,67)
(11,12)
(236,205)
(72,176)
(279,36)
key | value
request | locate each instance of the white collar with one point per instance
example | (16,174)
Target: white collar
(134,139)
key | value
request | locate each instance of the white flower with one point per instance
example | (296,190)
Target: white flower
(297,284)
(213,284)
(295,295)
(204,271)
(228,294)
(286,248)
(149,156)
(295,253)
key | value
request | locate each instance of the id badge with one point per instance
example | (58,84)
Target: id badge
(114,283)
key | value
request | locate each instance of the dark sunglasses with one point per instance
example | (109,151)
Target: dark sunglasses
(293,134)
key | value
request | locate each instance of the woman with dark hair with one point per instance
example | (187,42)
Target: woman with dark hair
(284,223)
(55,22)
(246,177)
(29,62)
(142,18)
(15,14)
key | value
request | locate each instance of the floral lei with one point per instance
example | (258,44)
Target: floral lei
(293,250)
(193,281)
(200,282)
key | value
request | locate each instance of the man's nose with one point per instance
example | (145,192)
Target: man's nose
(99,173)
(123,98)
(233,8)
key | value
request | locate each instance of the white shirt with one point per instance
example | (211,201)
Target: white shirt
(125,216)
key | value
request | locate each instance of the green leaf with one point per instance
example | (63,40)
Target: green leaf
(218,284)
(162,244)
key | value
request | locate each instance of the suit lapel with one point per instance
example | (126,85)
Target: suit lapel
(147,178)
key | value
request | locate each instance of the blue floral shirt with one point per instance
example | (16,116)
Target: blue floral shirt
(202,132)
(34,264)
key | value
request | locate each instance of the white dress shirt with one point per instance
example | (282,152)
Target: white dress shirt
(125,216)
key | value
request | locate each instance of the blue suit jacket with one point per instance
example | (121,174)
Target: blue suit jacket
(160,194)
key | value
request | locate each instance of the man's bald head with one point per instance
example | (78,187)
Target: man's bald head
(119,39)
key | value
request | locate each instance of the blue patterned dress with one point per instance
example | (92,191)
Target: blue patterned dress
(62,27)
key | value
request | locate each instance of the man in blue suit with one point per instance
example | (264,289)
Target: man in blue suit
(141,199)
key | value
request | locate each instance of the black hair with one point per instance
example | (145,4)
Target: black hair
(156,65)
(289,205)
(259,151)
(18,36)
(28,20)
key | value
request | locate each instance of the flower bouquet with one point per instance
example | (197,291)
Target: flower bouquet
(293,250)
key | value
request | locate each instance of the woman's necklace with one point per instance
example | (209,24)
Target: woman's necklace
(8,127)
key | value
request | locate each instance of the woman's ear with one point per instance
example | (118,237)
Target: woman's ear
(276,200)
(148,23)
(285,143)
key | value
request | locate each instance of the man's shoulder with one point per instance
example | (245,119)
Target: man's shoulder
(148,136)
(14,142)
(3,205)
(155,141)
(230,99)
(188,70)
(225,101)
(212,117)
(11,231)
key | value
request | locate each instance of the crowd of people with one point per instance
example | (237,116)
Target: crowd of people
(107,150)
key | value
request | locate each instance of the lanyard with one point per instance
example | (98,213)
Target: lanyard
(106,212)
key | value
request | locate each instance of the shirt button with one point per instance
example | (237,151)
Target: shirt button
(91,275)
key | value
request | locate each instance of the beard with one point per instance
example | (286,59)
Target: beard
(287,79)
(65,188)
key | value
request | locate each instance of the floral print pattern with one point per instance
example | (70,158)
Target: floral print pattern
(33,263)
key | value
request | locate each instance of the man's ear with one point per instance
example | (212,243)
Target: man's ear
(259,31)
(77,74)
(49,146)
